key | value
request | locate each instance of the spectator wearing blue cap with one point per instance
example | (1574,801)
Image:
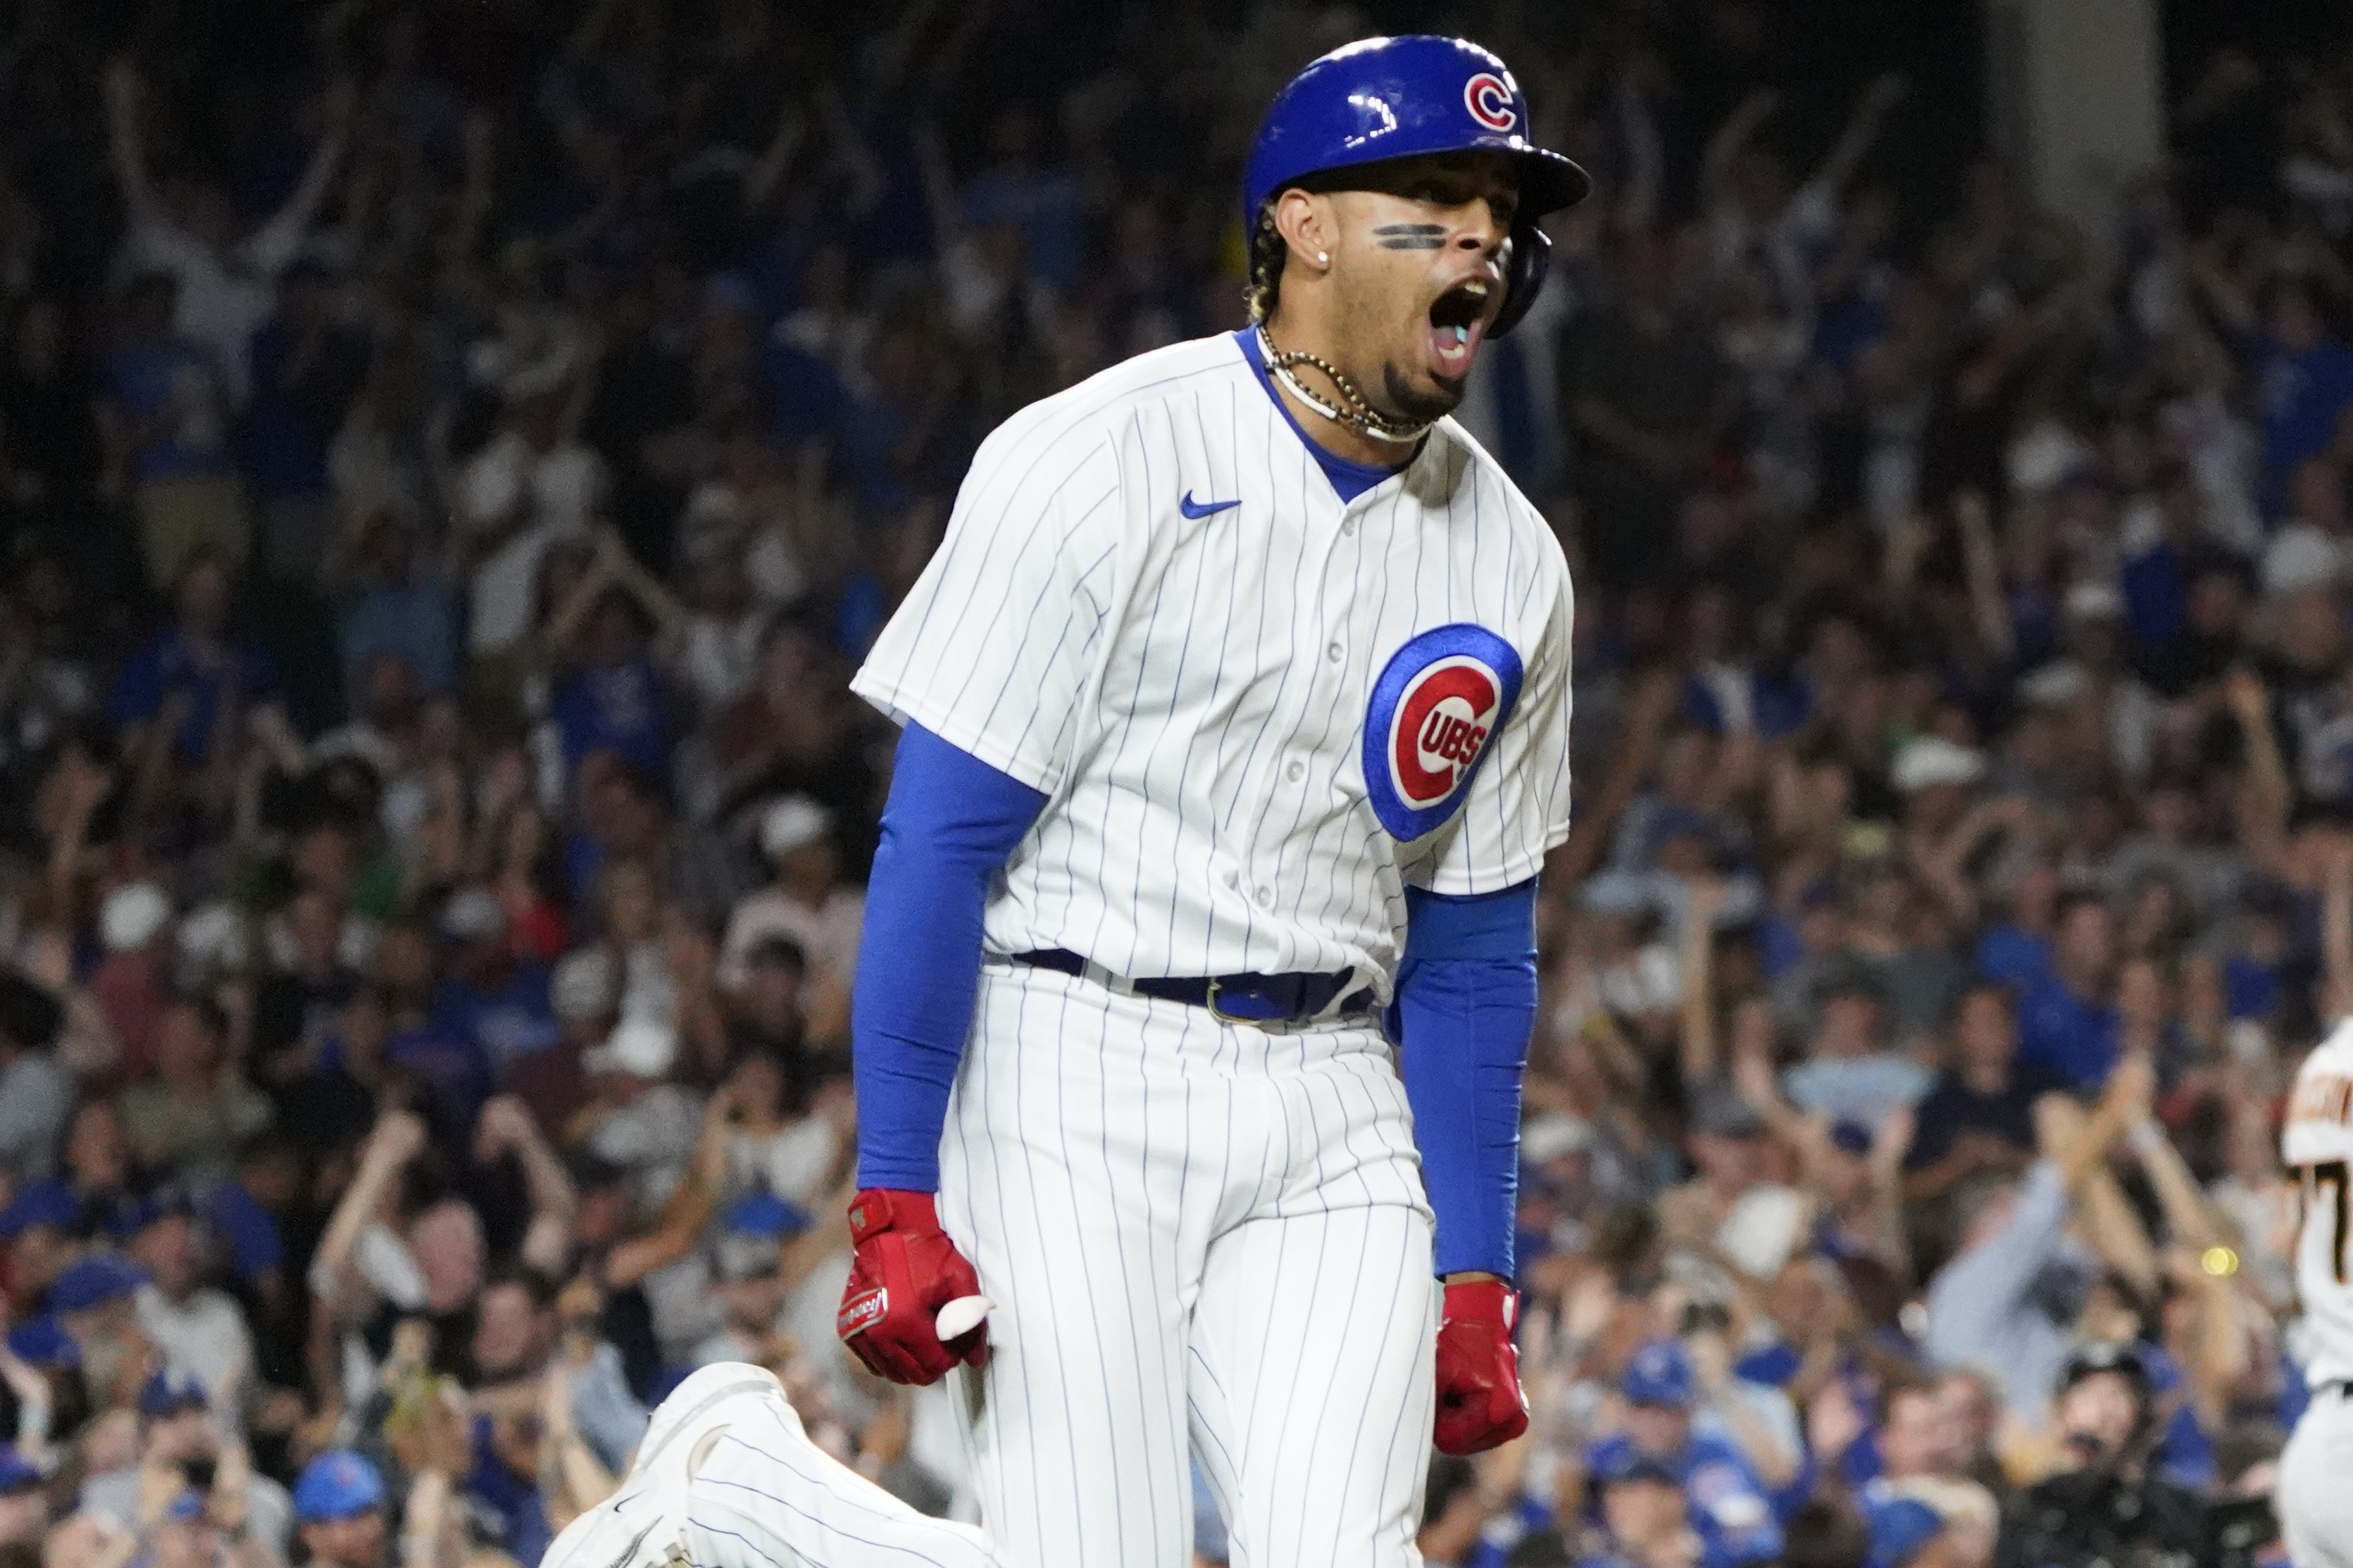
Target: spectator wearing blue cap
(1727,1501)
(38,1226)
(1645,1522)
(181,1430)
(92,1286)
(195,1325)
(1902,1529)
(339,1510)
(747,1266)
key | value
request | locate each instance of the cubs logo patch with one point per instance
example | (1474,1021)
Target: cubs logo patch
(1439,703)
(1489,98)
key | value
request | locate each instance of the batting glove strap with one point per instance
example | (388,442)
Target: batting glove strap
(878,1209)
(1479,1404)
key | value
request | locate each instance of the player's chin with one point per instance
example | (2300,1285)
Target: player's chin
(1424,392)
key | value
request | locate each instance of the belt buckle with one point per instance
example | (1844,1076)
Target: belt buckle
(1217,1010)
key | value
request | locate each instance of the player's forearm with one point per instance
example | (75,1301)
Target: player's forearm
(950,824)
(1466,1002)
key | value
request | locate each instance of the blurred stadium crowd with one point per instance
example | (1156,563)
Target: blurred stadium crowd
(452,454)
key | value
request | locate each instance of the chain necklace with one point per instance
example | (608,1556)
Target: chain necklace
(1361,417)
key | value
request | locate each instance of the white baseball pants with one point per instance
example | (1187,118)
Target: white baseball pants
(2314,1504)
(1196,1233)
(725,1477)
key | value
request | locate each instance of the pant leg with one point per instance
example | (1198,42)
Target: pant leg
(2315,1506)
(1310,1349)
(725,1477)
(765,1497)
(1064,1168)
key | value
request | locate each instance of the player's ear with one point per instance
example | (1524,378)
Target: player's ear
(1306,222)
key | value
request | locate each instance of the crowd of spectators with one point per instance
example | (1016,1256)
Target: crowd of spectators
(453,454)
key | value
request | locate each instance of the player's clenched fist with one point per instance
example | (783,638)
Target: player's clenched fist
(1479,1404)
(906,1270)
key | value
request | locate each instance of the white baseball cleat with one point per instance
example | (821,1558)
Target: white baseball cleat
(644,1522)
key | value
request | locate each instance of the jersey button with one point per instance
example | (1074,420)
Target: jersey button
(1266,898)
(1295,772)
(1335,653)
(1348,528)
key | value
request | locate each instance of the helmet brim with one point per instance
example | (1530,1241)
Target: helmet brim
(1549,181)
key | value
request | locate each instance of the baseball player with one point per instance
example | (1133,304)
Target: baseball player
(2315,1507)
(1198,961)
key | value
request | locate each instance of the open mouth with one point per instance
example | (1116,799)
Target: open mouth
(1457,319)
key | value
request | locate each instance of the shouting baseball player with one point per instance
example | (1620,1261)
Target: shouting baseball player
(1236,708)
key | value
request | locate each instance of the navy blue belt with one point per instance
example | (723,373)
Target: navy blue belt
(1300,997)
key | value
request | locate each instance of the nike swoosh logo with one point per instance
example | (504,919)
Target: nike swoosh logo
(1192,508)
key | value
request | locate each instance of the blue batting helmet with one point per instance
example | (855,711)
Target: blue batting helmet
(1379,98)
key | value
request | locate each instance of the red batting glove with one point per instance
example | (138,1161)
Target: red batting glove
(906,1270)
(1479,1404)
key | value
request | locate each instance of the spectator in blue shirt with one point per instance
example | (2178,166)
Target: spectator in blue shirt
(1727,1502)
(1645,1521)
(307,367)
(196,677)
(2017,950)
(2067,1015)
(2305,378)
(1979,1118)
(615,697)
(390,607)
(165,421)
(499,1007)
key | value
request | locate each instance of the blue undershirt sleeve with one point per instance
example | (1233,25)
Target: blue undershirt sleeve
(951,823)
(1466,1000)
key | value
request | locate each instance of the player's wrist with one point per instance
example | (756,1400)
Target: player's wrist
(877,1209)
(1489,1298)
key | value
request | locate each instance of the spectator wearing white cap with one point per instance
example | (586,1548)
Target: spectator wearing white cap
(636,1119)
(490,1001)
(805,903)
(133,982)
(585,998)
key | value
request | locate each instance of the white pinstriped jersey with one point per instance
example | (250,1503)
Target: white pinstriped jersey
(1254,724)
(2318,1140)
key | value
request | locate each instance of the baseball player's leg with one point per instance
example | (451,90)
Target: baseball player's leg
(725,1477)
(1311,1388)
(1051,1183)
(1310,1349)
(764,1495)
(2315,1506)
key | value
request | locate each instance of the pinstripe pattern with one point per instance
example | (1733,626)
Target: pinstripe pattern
(1191,693)
(1197,1235)
(763,1495)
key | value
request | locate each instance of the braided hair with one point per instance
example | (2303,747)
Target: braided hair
(1262,290)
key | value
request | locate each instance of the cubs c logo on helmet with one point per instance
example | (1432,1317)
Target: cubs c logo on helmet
(1436,708)
(1489,98)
